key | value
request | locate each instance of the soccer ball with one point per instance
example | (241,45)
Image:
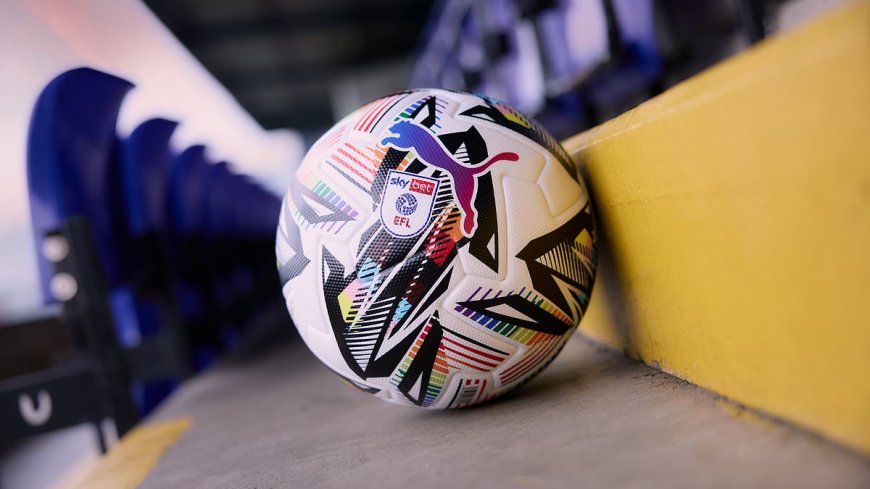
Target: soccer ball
(436,248)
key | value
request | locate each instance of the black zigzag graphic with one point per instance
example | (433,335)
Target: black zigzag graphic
(290,234)
(536,133)
(334,282)
(484,242)
(527,315)
(470,147)
(420,369)
(436,292)
(414,268)
(467,146)
(430,106)
(556,267)
(361,343)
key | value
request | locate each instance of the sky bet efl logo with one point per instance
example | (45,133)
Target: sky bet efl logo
(407,203)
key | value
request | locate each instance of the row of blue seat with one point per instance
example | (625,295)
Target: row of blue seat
(576,63)
(170,251)
(529,53)
(128,189)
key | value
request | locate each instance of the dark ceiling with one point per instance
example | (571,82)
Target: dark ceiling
(282,58)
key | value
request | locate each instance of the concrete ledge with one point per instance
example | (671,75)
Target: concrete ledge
(736,210)
(591,419)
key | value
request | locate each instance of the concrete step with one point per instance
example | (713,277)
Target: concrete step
(593,419)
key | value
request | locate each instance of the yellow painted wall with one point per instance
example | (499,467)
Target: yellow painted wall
(736,213)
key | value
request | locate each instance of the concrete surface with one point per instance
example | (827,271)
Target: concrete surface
(592,419)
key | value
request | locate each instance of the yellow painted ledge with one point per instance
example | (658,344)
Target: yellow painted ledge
(128,464)
(735,210)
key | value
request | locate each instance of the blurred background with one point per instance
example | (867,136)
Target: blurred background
(237,91)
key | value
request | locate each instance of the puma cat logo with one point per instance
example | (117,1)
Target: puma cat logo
(406,135)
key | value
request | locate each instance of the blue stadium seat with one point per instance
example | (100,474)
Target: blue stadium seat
(158,260)
(635,68)
(75,217)
(186,192)
(219,198)
(79,170)
(145,163)
(514,55)
(71,174)
(471,56)
(70,149)
(574,40)
(199,307)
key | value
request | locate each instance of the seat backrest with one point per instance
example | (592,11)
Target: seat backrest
(517,58)
(241,213)
(186,191)
(71,144)
(220,196)
(573,38)
(258,215)
(268,210)
(145,163)
(637,30)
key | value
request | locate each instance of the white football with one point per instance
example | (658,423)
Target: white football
(436,248)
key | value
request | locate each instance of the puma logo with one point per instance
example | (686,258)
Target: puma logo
(406,135)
